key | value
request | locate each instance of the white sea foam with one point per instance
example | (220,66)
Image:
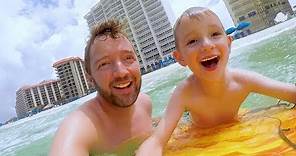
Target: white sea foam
(263,35)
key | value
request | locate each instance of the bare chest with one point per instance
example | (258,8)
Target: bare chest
(117,133)
(210,111)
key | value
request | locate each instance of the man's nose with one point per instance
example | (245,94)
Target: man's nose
(120,69)
(207,45)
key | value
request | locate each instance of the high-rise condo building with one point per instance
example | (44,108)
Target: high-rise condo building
(148,27)
(261,13)
(73,83)
(39,95)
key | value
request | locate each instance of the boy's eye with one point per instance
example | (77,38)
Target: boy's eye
(192,42)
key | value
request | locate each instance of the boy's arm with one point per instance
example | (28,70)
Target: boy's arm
(266,86)
(155,143)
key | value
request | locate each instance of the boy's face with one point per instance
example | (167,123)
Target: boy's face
(203,46)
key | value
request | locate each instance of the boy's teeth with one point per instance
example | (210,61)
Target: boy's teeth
(122,85)
(210,58)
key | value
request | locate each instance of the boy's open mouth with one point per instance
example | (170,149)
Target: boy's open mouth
(210,62)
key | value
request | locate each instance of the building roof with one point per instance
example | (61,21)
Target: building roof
(44,82)
(65,60)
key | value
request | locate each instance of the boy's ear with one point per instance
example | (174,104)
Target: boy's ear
(177,55)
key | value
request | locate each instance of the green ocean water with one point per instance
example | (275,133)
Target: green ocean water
(271,52)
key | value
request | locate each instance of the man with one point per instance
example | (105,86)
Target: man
(118,119)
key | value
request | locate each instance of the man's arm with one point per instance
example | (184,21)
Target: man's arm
(73,137)
(266,86)
(155,143)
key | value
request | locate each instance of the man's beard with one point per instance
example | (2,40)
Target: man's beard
(118,101)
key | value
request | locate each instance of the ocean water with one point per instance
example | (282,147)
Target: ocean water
(271,52)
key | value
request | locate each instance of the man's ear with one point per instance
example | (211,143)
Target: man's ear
(178,56)
(229,40)
(89,79)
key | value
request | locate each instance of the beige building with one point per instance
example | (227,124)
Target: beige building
(148,27)
(39,95)
(261,13)
(73,83)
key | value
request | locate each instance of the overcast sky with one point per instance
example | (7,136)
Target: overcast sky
(36,33)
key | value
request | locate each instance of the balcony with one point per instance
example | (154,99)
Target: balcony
(144,38)
(157,16)
(146,43)
(153,7)
(139,18)
(132,5)
(149,3)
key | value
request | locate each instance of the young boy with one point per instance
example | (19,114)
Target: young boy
(213,93)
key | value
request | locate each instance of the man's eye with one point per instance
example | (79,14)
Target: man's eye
(216,34)
(129,58)
(104,64)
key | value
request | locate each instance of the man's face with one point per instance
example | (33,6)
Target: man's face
(203,45)
(115,70)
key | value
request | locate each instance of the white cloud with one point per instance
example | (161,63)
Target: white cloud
(35,34)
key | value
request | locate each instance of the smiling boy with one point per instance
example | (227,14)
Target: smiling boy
(213,93)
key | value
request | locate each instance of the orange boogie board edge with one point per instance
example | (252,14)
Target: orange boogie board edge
(257,133)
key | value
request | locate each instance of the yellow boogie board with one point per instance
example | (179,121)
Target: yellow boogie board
(266,132)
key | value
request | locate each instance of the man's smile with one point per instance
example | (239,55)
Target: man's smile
(122,85)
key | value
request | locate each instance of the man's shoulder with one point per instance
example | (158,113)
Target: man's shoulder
(144,97)
(79,125)
(76,132)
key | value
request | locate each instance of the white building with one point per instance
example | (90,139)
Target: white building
(261,13)
(73,83)
(148,27)
(39,95)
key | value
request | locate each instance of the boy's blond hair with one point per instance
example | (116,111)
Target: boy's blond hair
(195,13)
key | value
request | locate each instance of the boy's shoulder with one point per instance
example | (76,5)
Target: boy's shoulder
(186,86)
(244,78)
(242,75)
(186,82)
